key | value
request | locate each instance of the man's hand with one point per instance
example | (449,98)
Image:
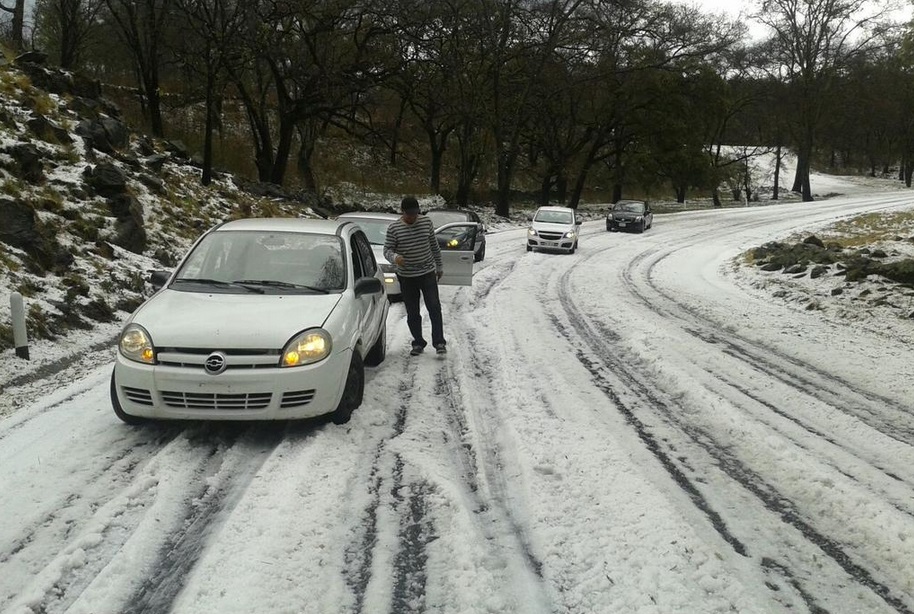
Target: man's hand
(439,274)
(400,261)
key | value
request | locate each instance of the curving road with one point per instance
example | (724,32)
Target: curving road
(632,428)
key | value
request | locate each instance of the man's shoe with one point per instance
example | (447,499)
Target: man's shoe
(417,349)
(441,348)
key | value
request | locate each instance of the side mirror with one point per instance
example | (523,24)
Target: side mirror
(158,279)
(578,222)
(368,285)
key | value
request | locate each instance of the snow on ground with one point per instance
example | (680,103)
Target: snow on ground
(638,427)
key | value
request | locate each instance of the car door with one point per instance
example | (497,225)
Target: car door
(371,307)
(457,241)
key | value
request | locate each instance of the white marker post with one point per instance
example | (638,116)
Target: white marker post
(19,335)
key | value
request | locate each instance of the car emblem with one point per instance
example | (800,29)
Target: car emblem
(215,363)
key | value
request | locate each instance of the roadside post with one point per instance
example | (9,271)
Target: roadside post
(19,335)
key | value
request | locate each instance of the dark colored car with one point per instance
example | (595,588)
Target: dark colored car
(440,217)
(630,215)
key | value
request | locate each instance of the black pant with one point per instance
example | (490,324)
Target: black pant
(427,285)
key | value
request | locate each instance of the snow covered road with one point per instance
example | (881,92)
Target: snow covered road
(632,428)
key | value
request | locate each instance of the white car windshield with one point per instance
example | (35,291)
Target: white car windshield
(440,218)
(264,262)
(554,217)
(375,230)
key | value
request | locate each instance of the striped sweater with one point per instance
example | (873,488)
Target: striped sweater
(417,244)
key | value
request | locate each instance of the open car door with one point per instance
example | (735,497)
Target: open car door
(457,241)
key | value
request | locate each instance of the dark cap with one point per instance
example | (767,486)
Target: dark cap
(409,205)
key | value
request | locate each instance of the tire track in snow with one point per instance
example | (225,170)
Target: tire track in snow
(223,478)
(120,471)
(595,339)
(359,554)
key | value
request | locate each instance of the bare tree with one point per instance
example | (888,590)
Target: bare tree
(64,27)
(812,41)
(208,52)
(141,25)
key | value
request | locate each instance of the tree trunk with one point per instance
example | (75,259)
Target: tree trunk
(561,188)
(283,150)
(395,138)
(715,197)
(546,188)
(18,23)
(208,129)
(777,173)
(680,194)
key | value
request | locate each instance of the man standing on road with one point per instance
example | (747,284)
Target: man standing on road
(411,245)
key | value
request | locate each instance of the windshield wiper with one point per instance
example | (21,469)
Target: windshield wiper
(218,282)
(280,284)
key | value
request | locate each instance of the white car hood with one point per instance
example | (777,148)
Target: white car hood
(379,254)
(217,321)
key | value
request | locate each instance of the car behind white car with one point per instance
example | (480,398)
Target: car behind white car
(264,319)
(554,228)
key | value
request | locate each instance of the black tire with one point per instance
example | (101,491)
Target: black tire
(378,351)
(529,248)
(609,228)
(394,298)
(481,255)
(119,411)
(573,248)
(352,393)
(641,227)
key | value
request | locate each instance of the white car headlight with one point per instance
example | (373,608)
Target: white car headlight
(569,234)
(531,232)
(305,348)
(136,344)
(639,218)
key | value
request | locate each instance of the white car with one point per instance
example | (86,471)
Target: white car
(375,227)
(458,242)
(554,228)
(264,319)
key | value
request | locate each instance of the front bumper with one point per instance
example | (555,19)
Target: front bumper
(272,393)
(559,244)
(622,224)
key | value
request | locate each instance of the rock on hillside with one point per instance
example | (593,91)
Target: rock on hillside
(87,205)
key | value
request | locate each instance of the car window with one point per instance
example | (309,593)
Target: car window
(629,207)
(363,255)
(457,238)
(440,217)
(554,217)
(375,230)
(298,260)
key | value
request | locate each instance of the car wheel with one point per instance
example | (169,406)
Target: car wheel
(529,248)
(118,410)
(641,227)
(609,228)
(352,393)
(378,351)
(573,248)
(481,254)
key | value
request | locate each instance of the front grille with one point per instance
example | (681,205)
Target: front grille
(138,395)
(194,358)
(228,402)
(296,398)
(551,236)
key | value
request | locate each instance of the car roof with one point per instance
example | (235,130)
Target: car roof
(555,209)
(369,215)
(283,224)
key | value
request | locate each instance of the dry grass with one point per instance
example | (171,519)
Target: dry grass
(871,228)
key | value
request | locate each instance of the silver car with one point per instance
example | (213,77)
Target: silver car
(375,227)
(264,319)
